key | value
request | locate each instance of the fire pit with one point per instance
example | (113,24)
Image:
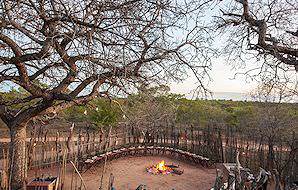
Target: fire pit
(163,169)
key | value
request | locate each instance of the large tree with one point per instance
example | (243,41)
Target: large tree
(263,35)
(83,49)
(151,108)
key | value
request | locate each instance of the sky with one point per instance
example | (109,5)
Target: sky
(224,84)
(221,79)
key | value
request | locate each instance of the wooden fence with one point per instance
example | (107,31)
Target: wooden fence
(219,145)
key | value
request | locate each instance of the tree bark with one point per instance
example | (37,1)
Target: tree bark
(270,157)
(18,157)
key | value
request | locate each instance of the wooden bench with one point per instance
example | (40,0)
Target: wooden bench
(144,150)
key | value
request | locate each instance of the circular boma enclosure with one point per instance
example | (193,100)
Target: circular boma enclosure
(130,172)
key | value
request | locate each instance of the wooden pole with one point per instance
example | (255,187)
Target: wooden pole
(111,182)
(105,163)
(77,171)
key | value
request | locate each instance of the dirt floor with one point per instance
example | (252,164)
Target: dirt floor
(131,172)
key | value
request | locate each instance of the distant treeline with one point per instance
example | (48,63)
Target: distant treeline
(155,107)
(170,109)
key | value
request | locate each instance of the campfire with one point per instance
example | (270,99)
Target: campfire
(162,168)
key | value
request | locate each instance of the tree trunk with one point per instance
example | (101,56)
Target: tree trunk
(270,157)
(18,158)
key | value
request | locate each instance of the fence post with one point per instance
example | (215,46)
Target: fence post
(79,144)
(87,142)
(93,143)
(69,143)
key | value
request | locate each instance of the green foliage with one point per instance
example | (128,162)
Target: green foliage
(21,93)
(105,113)
(99,112)
(152,107)
(10,96)
(156,106)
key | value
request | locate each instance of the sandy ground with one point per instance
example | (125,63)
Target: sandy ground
(130,172)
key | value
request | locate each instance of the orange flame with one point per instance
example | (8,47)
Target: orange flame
(161,166)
